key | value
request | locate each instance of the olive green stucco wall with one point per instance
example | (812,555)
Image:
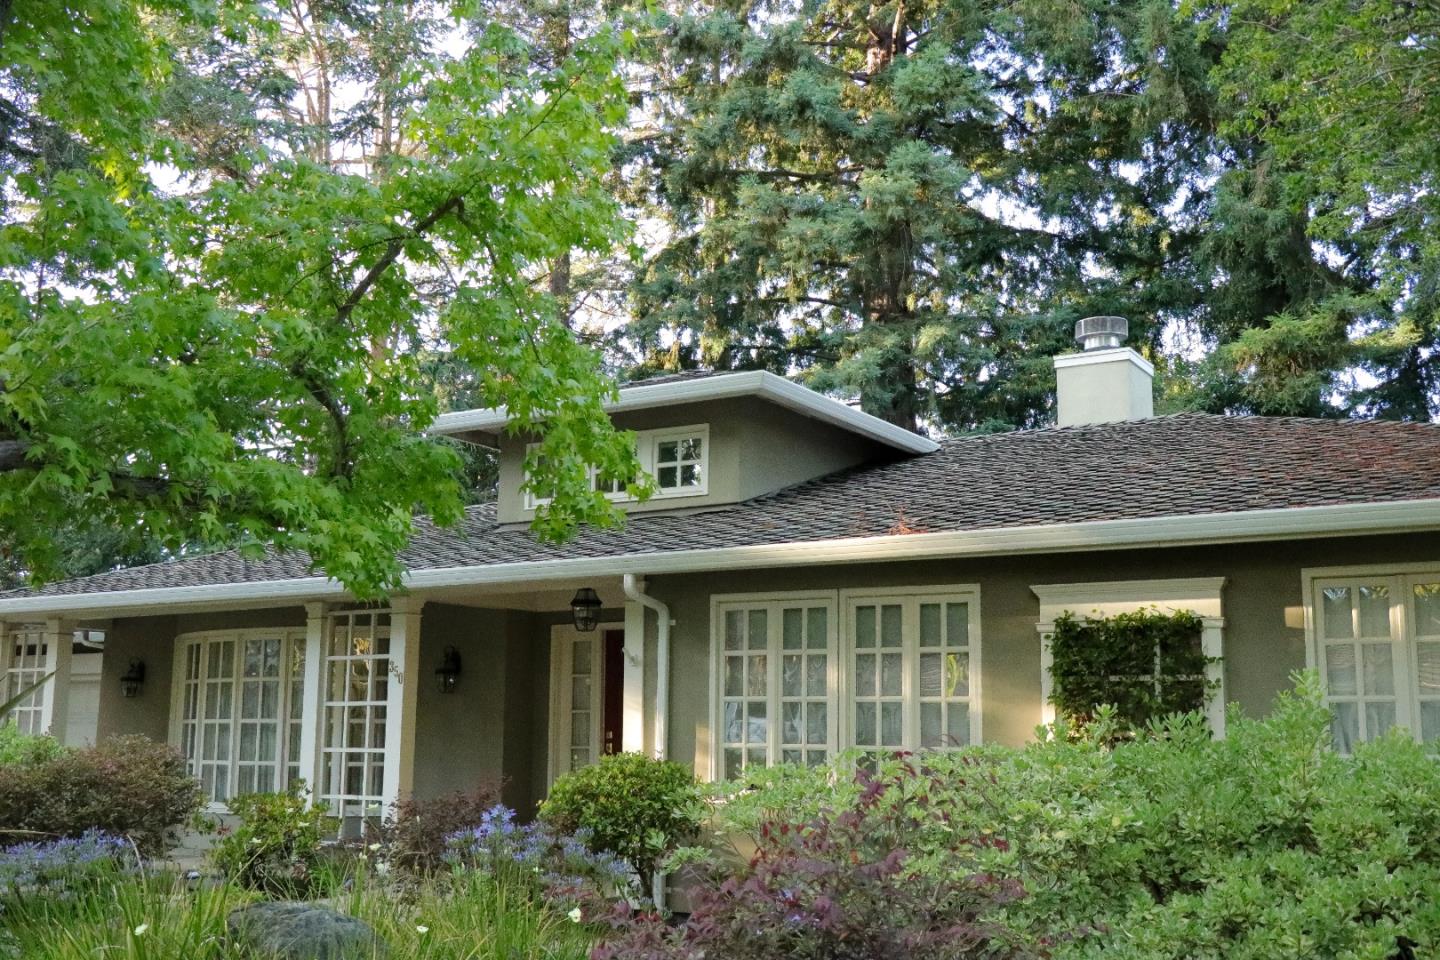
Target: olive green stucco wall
(1264,628)
(496,724)
(476,734)
(152,641)
(756,447)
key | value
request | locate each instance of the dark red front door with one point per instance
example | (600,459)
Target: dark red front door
(614,694)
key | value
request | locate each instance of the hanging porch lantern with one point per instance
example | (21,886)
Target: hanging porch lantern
(586,607)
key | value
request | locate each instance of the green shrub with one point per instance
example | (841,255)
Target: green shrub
(1146,664)
(26,748)
(1176,845)
(128,786)
(277,847)
(635,807)
(415,832)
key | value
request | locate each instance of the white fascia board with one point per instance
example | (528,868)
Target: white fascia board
(757,383)
(1296,523)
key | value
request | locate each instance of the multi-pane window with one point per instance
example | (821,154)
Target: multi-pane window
(944,694)
(676,458)
(679,463)
(584,718)
(878,675)
(238,704)
(911,672)
(776,683)
(805,650)
(26,661)
(1377,642)
(357,688)
(794,682)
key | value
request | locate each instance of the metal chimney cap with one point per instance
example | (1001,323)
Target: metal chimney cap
(1100,333)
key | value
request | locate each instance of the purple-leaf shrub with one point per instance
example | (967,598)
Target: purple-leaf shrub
(416,831)
(127,786)
(841,887)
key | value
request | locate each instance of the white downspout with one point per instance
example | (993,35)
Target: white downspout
(635,590)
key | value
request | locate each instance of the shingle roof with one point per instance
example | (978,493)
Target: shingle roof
(1187,464)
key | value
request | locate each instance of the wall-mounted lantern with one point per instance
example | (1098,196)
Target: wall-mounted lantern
(586,607)
(133,679)
(447,675)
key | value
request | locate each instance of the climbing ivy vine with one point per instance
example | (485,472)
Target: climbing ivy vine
(1145,664)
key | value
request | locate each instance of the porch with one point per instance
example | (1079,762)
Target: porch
(430,694)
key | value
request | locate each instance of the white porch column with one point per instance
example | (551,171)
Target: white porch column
(59,639)
(1047,679)
(401,698)
(634,736)
(312,709)
(1212,644)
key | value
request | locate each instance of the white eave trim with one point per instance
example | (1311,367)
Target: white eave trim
(752,383)
(1294,523)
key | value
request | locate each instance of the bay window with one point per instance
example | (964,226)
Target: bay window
(238,703)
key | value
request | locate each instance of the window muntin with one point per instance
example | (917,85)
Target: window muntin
(912,671)
(678,463)
(1425,628)
(27,659)
(584,705)
(774,662)
(677,458)
(234,691)
(355,704)
(794,682)
(1377,649)
(944,689)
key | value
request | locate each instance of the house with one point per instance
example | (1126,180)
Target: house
(792,590)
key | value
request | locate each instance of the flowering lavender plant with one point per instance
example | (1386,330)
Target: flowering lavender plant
(561,867)
(58,866)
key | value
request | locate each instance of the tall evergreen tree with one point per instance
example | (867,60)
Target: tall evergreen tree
(911,202)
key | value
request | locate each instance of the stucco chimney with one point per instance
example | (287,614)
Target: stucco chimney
(1105,381)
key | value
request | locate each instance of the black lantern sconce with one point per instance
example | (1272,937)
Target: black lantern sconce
(447,675)
(586,607)
(133,679)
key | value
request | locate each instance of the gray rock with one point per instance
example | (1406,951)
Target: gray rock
(303,931)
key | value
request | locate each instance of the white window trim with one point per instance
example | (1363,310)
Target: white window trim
(646,442)
(562,636)
(966,592)
(649,440)
(290,637)
(719,603)
(1407,686)
(840,705)
(36,712)
(1198,595)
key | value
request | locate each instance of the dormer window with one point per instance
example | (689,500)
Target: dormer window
(679,465)
(677,458)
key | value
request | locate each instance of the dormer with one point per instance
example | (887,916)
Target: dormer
(709,440)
